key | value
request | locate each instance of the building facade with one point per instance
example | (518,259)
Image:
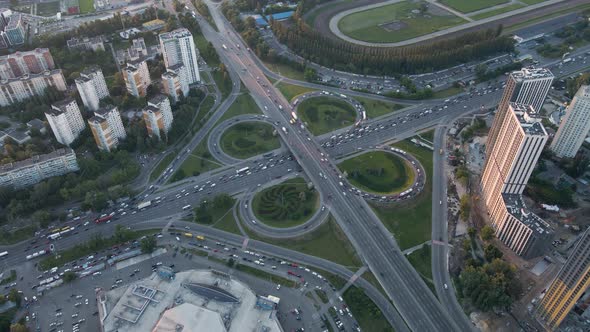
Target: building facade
(528,86)
(177,47)
(30,85)
(28,172)
(92,87)
(518,146)
(567,287)
(137,77)
(158,116)
(15,30)
(107,128)
(17,64)
(65,121)
(175,83)
(574,127)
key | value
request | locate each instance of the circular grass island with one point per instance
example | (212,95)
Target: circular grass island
(378,172)
(326,114)
(287,204)
(246,139)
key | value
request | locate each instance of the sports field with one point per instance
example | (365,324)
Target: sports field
(86,6)
(325,114)
(396,22)
(378,172)
(248,139)
(467,6)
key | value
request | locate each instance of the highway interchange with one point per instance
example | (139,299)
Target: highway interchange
(417,306)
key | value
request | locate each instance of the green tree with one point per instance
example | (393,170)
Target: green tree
(465,207)
(14,296)
(223,201)
(148,245)
(491,252)
(18,327)
(69,276)
(471,232)
(487,233)
(310,74)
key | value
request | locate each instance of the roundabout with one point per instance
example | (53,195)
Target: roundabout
(401,178)
(323,112)
(242,137)
(378,172)
(285,227)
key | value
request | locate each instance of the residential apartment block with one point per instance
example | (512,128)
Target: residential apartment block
(137,77)
(177,47)
(18,64)
(574,126)
(158,115)
(568,286)
(92,87)
(518,145)
(175,83)
(15,30)
(30,85)
(28,172)
(528,86)
(65,121)
(107,128)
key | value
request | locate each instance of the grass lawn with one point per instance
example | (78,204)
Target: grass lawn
(421,261)
(17,235)
(287,204)
(497,11)
(266,276)
(378,172)
(199,161)
(310,19)
(327,241)
(217,213)
(227,223)
(326,114)
(224,84)
(532,21)
(247,139)
(86,6)
(466,6)
(290,91)
(49,8)
(320,293)
(377,108)
(410,221)
(394,23)
(446,93)
(368,315)
(532,2)
(162,165)
(370,277)
(244,104)
(285,70)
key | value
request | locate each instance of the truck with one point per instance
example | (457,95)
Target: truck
(567,60)
(103,219)
(143,205)
(242,170)
(294,115)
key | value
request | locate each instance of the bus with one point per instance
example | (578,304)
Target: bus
(186,207)
(3,254)
(242,170)
(103,219)
(200,238)
(188,234)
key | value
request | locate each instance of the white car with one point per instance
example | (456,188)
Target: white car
(278,286)
(446,287)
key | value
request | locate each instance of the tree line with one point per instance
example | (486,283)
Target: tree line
(315,47)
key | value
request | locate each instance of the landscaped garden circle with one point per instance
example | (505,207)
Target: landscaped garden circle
(326,114)
(288,204)
(247,139)
(378,172)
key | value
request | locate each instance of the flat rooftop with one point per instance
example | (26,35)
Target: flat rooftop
(529,73)
(530,119)
(516,207)
(156,304)
(36,159)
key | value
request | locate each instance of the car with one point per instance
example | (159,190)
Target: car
(445,286)
(86,301)
(278,286)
